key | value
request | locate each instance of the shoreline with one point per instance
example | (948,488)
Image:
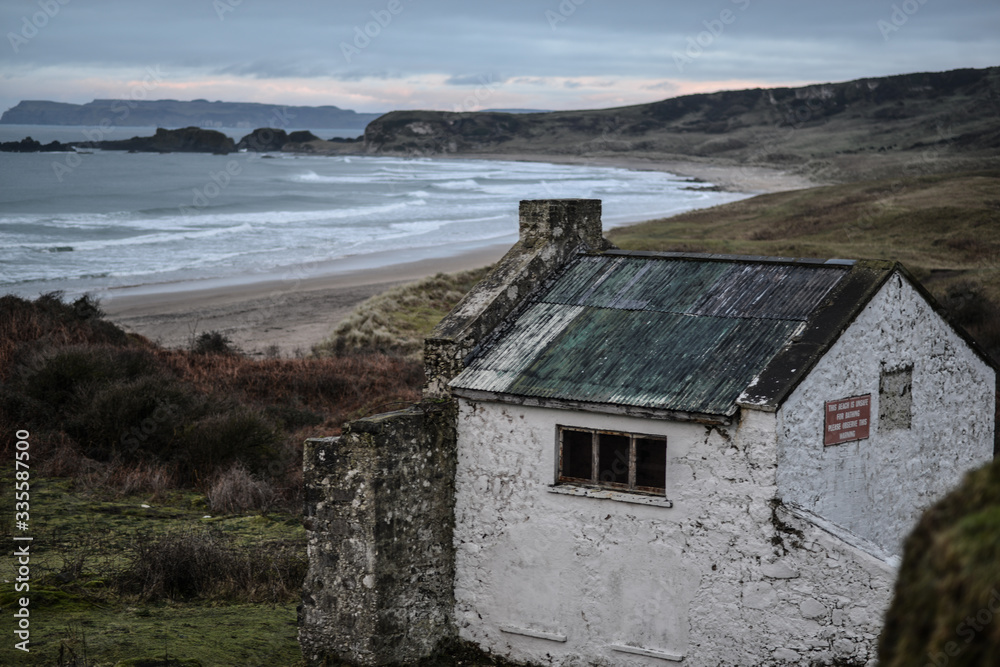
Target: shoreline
(288,314)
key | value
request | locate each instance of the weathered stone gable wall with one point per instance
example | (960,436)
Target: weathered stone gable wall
(379,519)
(878,487)
(724,577)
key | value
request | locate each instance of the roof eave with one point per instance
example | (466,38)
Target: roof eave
(838,311)
(604,408)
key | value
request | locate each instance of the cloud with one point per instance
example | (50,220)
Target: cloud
(474,79)
(613,53)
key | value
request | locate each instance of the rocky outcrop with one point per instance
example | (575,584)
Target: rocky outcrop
(29,145)
(186,140)
(263,140)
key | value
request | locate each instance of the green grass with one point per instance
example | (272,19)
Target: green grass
(83,542)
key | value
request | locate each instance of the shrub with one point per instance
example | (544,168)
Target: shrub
(210,565)
(57,376)
(213,342)
(219,439)
(131,419)
(235,490)
(948,577)
(49,319)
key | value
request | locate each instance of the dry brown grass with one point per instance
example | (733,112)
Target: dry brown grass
(210,565)
(123,416)
(236,490)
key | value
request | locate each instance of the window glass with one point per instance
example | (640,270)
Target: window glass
(613,462)
(650,462)
(577,454)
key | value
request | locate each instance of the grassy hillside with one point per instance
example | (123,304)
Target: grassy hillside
(834,132)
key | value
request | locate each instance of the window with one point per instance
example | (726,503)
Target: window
(611,459)
(895,398)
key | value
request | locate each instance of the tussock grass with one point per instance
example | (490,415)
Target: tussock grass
(398,320)
(210,565)
(236,490)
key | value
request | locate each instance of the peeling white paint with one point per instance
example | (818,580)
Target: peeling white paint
(722,576)
(878,487)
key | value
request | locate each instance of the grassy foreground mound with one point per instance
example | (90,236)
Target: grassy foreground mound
(946,607)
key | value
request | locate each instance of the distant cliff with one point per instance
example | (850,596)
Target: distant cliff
(825,130)
(173,113)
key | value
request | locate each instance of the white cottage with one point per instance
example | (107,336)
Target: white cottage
(698,459)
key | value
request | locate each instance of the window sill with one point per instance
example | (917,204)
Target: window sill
(609,494)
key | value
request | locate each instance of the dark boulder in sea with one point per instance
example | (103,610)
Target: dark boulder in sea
(184,140)
(264,139)
(29,145)
(301,136)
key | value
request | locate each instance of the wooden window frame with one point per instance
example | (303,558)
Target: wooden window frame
(595,473)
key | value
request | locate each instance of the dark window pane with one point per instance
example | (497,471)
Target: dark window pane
(577,454)
(651,462)
(613,461)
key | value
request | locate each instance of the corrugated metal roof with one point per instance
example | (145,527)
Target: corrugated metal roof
(674,334)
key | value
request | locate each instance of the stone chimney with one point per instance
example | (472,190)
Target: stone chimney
(551,232)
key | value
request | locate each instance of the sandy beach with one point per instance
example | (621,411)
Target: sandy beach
(291,313)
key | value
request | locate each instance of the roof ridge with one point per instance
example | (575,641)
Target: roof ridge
(720,257)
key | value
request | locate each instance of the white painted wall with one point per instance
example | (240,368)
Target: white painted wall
(712,579)
(878,487)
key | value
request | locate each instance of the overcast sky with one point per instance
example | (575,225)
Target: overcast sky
(378,55)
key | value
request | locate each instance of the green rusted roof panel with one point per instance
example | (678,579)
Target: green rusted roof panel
(653,360)
(663,333)
(728,289)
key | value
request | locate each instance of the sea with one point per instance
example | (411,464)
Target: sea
(98,221)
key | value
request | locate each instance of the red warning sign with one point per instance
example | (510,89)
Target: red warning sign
(847,419)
